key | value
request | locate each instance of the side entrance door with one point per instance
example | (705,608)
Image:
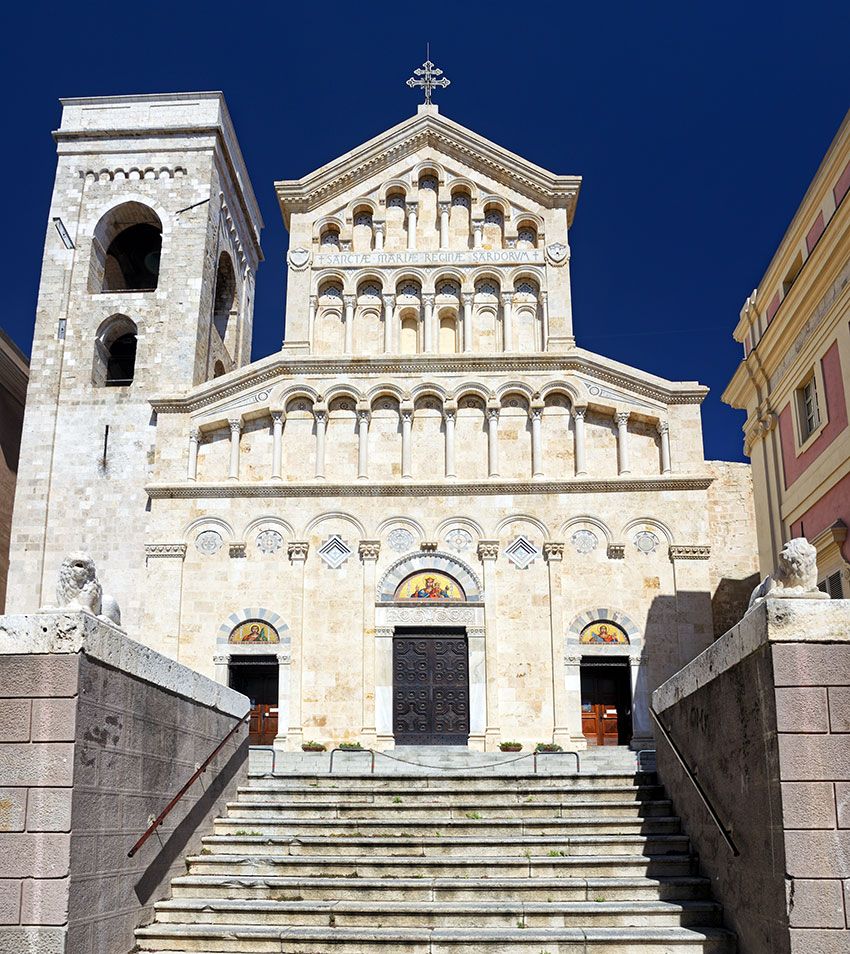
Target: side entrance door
(257,678)
(605,704)
(430,687)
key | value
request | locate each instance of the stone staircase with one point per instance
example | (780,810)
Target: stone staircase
(401,862)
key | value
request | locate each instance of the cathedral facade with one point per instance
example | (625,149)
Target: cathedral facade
(431,517)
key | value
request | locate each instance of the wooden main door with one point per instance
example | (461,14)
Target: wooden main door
(257,678)
(430,688)
(606,704)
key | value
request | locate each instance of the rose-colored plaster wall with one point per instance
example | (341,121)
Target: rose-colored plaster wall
(836,409)
(833,505)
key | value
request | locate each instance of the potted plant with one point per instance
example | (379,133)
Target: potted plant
(510,746)
(350,746)
(312,747)
(548,747)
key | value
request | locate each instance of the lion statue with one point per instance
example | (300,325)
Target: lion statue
(79,589)
(797,573)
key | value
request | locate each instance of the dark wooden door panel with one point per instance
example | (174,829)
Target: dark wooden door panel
(430,690)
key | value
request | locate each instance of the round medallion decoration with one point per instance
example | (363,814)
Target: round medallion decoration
(400,540)
(269,541)
(209,541)
(459,539)
(584,541)
(646,541)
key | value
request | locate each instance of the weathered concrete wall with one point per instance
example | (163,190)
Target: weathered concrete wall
(761,718)
(97,733)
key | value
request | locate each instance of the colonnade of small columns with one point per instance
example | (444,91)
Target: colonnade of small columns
(406,409)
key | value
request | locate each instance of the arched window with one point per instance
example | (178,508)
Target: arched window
(126,248)
(115,353)
(362,230)
(409,343)
(526,235)
(225,295)
(494,227)
(218,369)
(448,332)
(329,239)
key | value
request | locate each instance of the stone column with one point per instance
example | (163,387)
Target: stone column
(478,233)
(298,555)
(321,415)
(622,419)
(507,321)
(580,455)
(467,321)
(554,555)
(488,552)
(493,441)
(363,443)
(571,675)
(221,668)
(384,686)
(642,733)
(277,444)
(284,697)
(544,299)
(449,416)
(389,320)
(311,320)
(235,433)
(194,438)
(350,301)
(380,229)
(444,224)
(536,415)
(428,326)
(664,433)
(406,425)
(411,225)
(369,550)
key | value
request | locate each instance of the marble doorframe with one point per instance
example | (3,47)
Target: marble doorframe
(469,617)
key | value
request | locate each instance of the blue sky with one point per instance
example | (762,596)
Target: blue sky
(696,127)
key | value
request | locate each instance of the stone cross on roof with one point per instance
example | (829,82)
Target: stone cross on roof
(427,77)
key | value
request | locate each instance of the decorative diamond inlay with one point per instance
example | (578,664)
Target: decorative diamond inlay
(334,551)
(522,552)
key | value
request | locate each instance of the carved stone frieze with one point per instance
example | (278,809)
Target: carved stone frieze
(165,550)
(689,552)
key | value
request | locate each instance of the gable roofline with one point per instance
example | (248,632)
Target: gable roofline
(427,128)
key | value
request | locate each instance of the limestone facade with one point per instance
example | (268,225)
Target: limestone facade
(14,369)
(429,411)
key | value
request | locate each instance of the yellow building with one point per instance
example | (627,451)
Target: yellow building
(795,331)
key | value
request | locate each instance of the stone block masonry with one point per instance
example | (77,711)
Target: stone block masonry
(97,733)
(761,717)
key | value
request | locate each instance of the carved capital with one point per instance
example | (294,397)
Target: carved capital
(350,300)
(572,659)
(297,550)
(221,659)
(616,551)
(493,413)
(621,418)
(468,298)
(314,301)
(173,550)
(428,546)
(579,412)
(389,301)
(278,417)
(488,549)
(663,427)
(194,435)
(237,549)
(507,298)
(379,228)
(369,549)
(235,424)
(320,413)
(553,551)
(412,205)
(444,207)
(689,552)
(428,301)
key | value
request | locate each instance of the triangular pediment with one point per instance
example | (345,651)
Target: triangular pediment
(427,130)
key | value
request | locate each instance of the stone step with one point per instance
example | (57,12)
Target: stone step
(266,827)
(501,913)
(453,781)
(279,791)
(275,888)
(458,845)
(419,808)
(441,866)
(255,939)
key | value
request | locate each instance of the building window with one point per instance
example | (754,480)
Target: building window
(126,248)
(809,413)
(115,353)
(832,586)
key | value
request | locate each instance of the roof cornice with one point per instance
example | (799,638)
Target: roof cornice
(427,128)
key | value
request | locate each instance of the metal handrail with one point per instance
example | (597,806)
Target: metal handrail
(724,831)
(198,772)
(544,752)
(340,749)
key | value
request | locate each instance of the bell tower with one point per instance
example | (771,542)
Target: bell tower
(147,288)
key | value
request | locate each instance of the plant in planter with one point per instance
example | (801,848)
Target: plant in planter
(548,747)
(312,747)
(350,746)
(510,746)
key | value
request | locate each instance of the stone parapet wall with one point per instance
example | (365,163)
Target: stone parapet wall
(97,734)
(761,718)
